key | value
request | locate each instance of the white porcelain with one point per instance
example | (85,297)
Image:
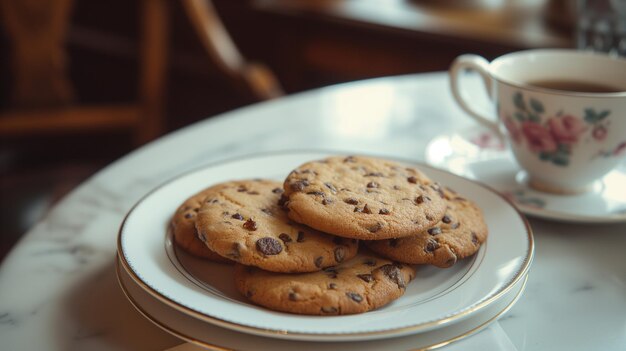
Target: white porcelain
(443,296)
(479,154)
(212,337)
(564,140)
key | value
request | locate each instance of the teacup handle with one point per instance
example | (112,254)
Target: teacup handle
(480,65)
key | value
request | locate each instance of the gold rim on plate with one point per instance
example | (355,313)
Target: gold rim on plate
(260,331)
(181,335)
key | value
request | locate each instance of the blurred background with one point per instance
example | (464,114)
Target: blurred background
(84,82)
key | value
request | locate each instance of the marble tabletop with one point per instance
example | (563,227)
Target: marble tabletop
(58,289)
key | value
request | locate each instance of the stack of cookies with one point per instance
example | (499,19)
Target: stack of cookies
(339,236)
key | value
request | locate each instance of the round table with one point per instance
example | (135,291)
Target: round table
(58,289)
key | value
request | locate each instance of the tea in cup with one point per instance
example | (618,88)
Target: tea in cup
(563,112)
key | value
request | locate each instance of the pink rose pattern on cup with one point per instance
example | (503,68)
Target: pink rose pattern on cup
(552,138)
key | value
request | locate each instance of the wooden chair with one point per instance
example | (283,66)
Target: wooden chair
(42,95)
(222,51)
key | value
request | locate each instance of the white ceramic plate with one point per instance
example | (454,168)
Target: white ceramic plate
(213,337)
(478,154)
(437,298)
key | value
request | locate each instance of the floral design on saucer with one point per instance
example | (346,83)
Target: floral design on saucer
(553,138)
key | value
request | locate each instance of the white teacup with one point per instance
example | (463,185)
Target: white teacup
(563,112)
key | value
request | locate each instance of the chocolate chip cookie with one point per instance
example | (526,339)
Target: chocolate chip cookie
(361,284)
(363,198)
(459,234)
(242,221)
(183,226)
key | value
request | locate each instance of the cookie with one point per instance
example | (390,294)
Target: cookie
(183,226)
(363,198)
(361,284)
(242,221)
(459,234)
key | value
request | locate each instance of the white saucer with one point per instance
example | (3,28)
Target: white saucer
(212,337)
(478,154)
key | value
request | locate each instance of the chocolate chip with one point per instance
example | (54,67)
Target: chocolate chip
(455,225)
(429,217)
(370,262)
(421,199)
(412,180)
(393,242)
(340,253)
(332,286)
(331,187)
(315,193)
(376,227)
(237,216)
(374,174)
(285,237)
(372,185)
(351,201)
(392,271)
(354,296)
(250,225)
(434,231)
(277,191)
(189,215)
(299,185)
(338,240)
(446,219)
(366,209)
(318,261)
(282,202)
(329,309)
(431,246)
(242,188)
(300,237)
(293,296)
(384,211)
(365,277)
(474,238)
(269,246)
